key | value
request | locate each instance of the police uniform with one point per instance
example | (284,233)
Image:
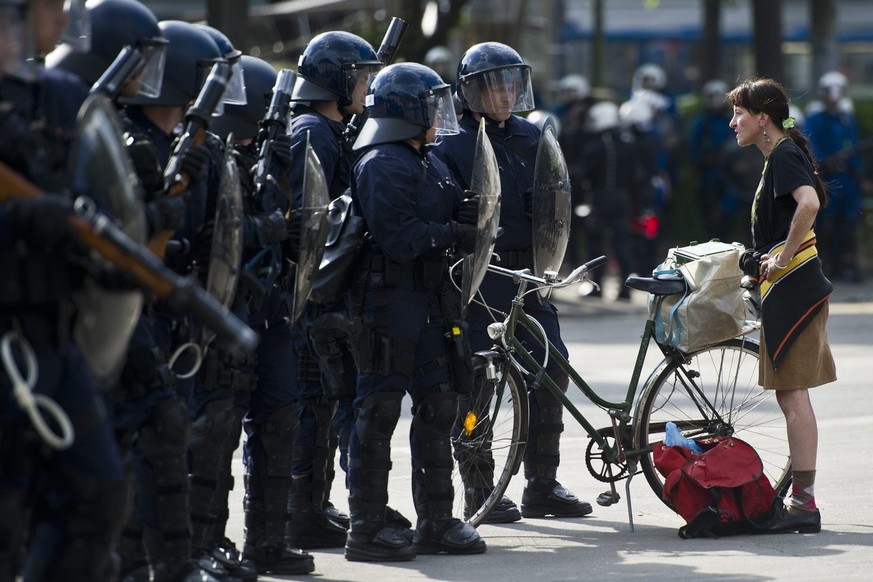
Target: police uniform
(81,491)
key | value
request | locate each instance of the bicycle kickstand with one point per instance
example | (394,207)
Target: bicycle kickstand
(632,469)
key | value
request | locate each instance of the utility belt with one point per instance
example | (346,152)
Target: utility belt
(224,369)
(516,259)
(422,274)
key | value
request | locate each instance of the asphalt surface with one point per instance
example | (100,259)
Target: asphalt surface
(602,336)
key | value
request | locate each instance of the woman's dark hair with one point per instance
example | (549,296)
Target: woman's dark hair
(764,95)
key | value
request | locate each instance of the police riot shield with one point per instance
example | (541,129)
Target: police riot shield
(101,170)
(313,228)
(225,256)
(551,205)
(486,183)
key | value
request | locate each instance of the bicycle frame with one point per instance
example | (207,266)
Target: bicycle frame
(528,365)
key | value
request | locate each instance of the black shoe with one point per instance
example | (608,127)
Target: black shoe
(336,515)
(447,536)
(210,565)
(544,497)
(386,544)
(189,572)
(505,511)
(399,522)
(227,555)
(795,520)
(313,529)
(278,558)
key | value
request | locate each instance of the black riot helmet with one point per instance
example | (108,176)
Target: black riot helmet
(405,101)
(190,56)
(243,120)
(332,65)
(492,77)
(116,24)
(235,92)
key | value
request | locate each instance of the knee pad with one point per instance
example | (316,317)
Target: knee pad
(167,431)
(377,416)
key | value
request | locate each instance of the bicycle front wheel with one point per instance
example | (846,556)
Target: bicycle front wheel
(715,392)
(489,438)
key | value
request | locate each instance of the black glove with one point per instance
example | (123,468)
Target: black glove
(192,163)
(43,221)
(144,156)
(281,149)
(464,236)
(468,212)
(270,228)
(292,244)
(202,249)
(165,213)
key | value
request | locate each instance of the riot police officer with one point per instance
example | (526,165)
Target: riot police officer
(149,405)
(333,75)
(405,303)
(493,83)
(70,468)
(263,227)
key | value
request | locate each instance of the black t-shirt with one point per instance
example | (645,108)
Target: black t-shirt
(785,170)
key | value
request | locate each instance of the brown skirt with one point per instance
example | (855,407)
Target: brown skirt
(807,364)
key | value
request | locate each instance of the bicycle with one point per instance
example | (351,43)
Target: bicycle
(709,392)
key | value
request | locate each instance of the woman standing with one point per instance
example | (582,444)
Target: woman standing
(795,354)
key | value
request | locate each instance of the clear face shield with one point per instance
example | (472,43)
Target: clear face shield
(77,34)
(441,110)
(499,92)
(150,76)
(235,93)
(359,73)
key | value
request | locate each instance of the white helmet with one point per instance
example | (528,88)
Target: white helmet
(575,84)
(832,86)
(603,115)
(637,113)
(649,76)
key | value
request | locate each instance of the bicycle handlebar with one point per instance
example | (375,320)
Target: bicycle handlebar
(578,274)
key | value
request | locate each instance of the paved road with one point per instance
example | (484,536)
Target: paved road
(602,338)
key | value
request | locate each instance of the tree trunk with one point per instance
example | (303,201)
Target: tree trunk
(768,39)
(231,18)
(823,37)
(710,64)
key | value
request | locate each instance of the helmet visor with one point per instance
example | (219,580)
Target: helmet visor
(77,34)
(499,91)
(235,93)
(441,110)
(357,73)
(151,75)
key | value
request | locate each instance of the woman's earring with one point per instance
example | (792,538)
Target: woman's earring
(766,136)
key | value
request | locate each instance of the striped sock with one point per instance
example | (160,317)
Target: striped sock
(803,491)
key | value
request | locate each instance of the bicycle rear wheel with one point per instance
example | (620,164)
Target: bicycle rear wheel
(489,439)
(715,391)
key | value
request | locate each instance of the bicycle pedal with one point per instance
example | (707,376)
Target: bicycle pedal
(608,498)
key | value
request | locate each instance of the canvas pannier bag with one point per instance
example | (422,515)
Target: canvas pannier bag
(711,309)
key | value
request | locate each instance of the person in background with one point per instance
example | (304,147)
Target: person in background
(494,83)
(795,354)
(833,136)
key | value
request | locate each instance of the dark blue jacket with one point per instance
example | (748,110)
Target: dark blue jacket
(515,146)
(408,199)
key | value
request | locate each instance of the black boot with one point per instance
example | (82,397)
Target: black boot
(266,498)
(308,525)
(544,497)
(437,530)
(370,537)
